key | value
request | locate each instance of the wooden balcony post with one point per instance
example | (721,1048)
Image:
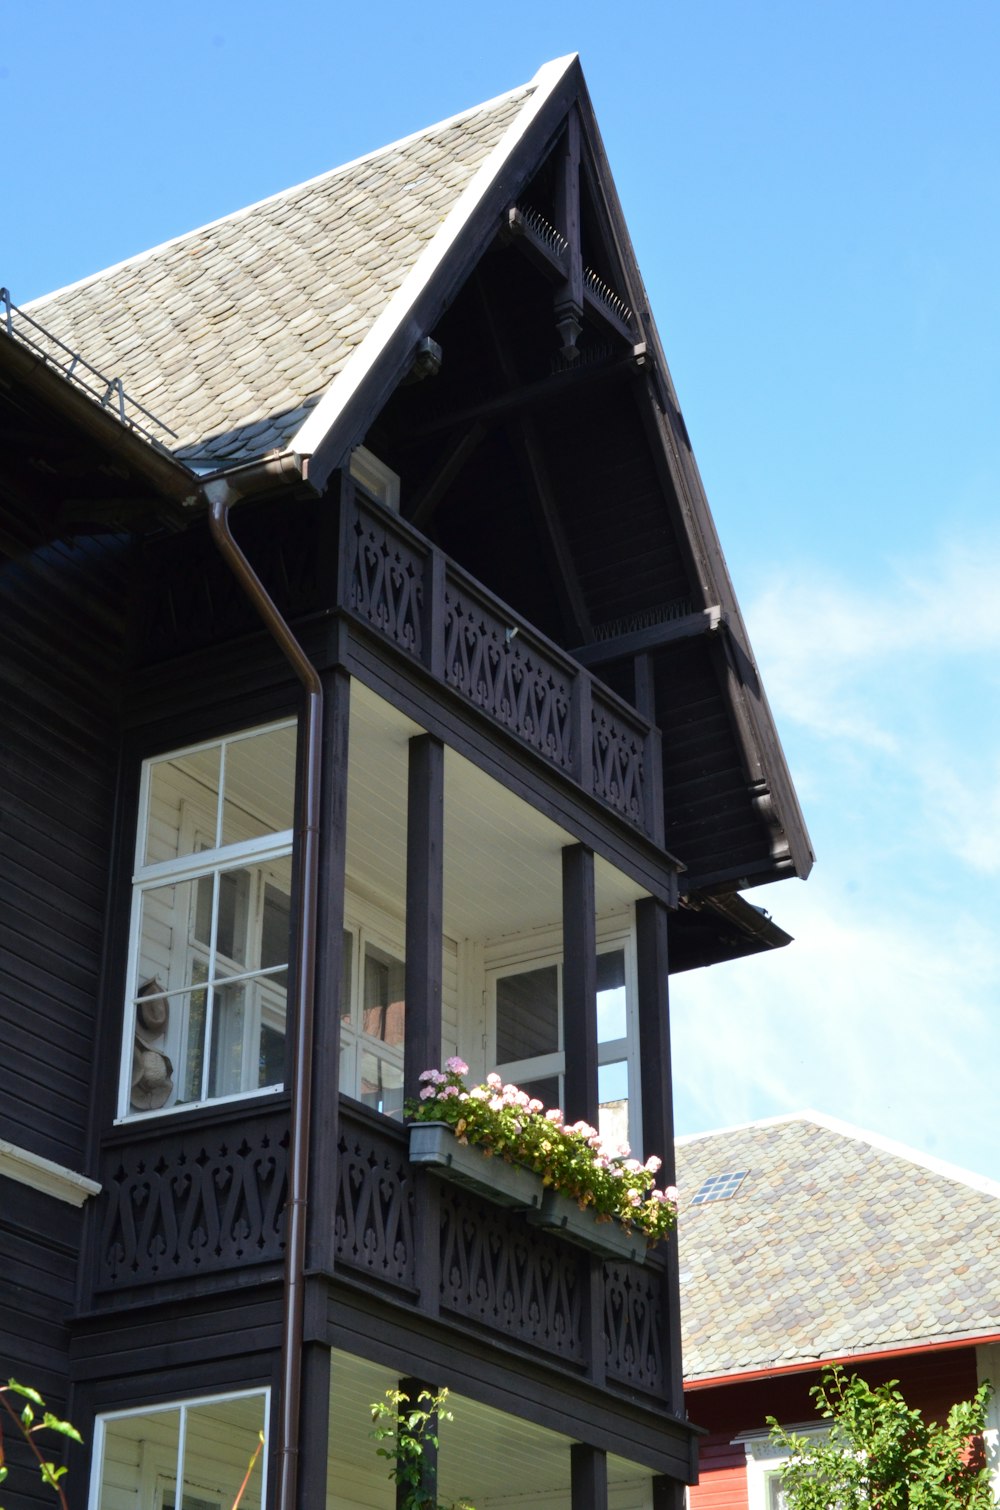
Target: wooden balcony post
(588,1477)
(668,1493)
(658,1109)
(314,1443)
(347,540)
(424,909)
(324,1123)
(645,702)
(579,984)
(413,1388)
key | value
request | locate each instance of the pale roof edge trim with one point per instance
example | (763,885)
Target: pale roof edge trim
(352,375)
(980,1182)
(138,258)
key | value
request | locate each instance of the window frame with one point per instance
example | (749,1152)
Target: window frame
(368,925)
(154,1478)
(191,866)
(519,957)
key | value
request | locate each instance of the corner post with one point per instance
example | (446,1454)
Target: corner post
(324,1124)
(651,921)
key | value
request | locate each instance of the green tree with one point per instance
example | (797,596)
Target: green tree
(880,1454)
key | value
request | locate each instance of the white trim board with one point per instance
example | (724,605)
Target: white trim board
(45,1175)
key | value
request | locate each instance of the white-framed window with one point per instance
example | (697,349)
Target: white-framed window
(525,1039)
(764,1462)
(182,1455)
(209,940)
(372,1014)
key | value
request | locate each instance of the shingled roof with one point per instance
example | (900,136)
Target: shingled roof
(836,1243)
(232,333)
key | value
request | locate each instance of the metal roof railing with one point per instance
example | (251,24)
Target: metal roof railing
(108,393)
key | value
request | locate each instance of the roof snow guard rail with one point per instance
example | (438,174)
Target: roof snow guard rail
(108,392)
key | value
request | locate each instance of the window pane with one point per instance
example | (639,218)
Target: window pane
(612,1094)
(346,976)
(139,1449)
(259,785)
(229,1025)
(612,1021)
(527,1014)
(191,780)
(272,992)
(381,1083)
(164,956)
(546,1090)
(383,1006)
(277,918)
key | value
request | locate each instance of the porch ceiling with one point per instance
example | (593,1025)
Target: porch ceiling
(487,1457)
(502,869)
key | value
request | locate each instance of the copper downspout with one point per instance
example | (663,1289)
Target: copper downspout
(221,497)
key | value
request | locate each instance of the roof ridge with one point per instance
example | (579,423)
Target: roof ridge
(138,258)
(981,1183)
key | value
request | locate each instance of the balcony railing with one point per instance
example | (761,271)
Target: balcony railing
(206,1198)
(395,581)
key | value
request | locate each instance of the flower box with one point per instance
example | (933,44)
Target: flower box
(434,1146)
(609,1239)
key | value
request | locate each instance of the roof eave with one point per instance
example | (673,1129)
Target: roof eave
(385,355)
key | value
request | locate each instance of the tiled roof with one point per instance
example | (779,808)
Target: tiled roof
(231,334)
(834,1243)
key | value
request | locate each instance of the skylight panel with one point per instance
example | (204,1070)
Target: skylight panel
(719,1187)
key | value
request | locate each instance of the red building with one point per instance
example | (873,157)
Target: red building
(803,1242)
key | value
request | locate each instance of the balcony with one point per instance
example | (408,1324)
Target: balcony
(201,1204)
(392,580)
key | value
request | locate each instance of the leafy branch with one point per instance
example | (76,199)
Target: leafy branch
(408,1431)
(29,1426)
(880,1452)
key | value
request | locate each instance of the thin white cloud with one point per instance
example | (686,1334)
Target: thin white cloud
(883,1023)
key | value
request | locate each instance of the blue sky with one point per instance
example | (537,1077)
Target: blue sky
(814,194)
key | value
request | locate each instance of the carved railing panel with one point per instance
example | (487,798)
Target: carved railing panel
(618,761)
(507,676)
(373,1219)
(385,584)
(505,1275)
(633,1326)
(193,1201)
(396,582)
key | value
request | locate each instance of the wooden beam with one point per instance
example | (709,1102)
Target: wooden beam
(641,641)
(528,448)
(556,265)
(568,301)
(520,396)
(567,583)
(448,469)
(668,1493)
(588,1477)
(579,984)
(424,909)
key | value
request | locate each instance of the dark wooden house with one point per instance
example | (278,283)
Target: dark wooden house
(366,641)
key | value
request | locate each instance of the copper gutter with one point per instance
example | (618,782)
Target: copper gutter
(221,494)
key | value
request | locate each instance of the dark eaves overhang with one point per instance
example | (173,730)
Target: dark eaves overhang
(173,482)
